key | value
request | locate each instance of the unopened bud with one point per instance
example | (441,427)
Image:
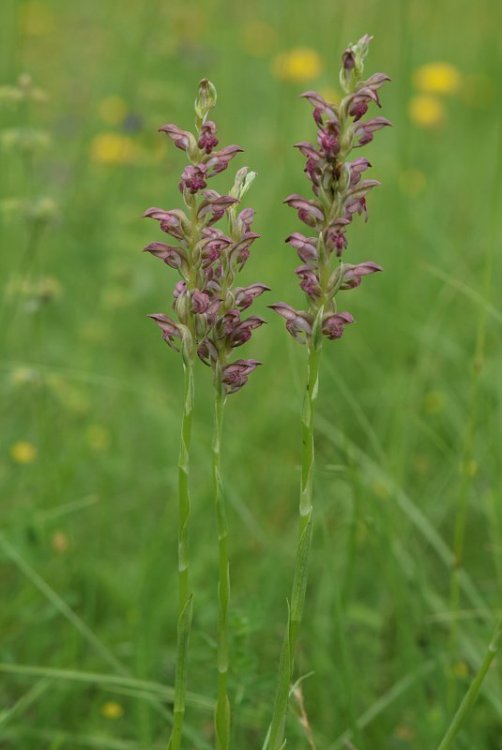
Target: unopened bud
(206,100)
(243,181)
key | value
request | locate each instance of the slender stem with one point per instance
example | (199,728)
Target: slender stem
(185,596)
(300,577)
(473,691)
(222,711)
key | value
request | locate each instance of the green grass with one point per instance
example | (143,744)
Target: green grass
(409,428)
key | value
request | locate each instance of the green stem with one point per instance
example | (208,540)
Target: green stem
(222,711)
(473,691)
(185,596)
(286,665)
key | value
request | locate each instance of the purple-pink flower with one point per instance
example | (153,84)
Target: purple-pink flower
(353,275)
(333,324)
(170,331)
(236,374)
(207,137)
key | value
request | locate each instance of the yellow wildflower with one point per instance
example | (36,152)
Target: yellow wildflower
(437,78)
(113,148)
(298,65)
(112,710)
(426,111)
(258,38)
(23,452)
(112,110)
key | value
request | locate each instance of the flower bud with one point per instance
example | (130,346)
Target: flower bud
(205,101)
(243,180)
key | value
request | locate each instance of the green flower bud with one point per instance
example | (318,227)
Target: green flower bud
(243,181)
(206,100)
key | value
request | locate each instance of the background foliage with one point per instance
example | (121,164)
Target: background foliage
(410,421)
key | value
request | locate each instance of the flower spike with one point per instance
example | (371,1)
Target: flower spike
(340,194)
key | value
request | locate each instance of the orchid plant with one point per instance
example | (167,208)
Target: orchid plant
(208,324)
(339,194)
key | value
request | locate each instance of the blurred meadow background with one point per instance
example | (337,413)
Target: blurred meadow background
(406,573)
